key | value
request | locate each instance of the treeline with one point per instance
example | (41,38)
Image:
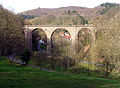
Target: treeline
(59,20)
(11,32)
(27,16)
(108,6)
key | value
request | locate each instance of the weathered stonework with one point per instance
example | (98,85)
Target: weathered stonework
(49,30)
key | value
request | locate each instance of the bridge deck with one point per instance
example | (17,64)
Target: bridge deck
(58,26)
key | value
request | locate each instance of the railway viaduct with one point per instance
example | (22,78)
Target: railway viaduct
(49,30)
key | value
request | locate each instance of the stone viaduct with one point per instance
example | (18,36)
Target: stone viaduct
(49,30)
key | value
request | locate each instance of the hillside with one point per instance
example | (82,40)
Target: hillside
(18,76)
(83,11)
(71,15)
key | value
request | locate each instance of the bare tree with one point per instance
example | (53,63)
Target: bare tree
(108,40)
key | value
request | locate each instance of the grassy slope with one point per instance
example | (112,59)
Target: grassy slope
(25,77)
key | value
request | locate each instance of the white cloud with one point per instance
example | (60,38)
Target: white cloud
(22,5)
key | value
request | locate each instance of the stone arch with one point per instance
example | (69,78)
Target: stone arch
(58,28)
(63,33)
(84,39)
(39,39)
(84,28)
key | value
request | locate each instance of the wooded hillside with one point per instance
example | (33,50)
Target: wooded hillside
(71,15)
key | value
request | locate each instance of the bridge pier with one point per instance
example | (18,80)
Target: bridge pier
(48,44)
(28,39)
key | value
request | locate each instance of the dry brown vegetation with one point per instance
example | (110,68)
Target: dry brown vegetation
(11,32)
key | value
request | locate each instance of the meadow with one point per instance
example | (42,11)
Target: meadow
(18,76)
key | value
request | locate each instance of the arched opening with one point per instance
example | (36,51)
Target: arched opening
(84,40)
(39,40)
(60,41)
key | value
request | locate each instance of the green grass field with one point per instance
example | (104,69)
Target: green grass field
(18,76)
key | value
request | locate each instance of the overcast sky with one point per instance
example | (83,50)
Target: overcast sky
(24,5)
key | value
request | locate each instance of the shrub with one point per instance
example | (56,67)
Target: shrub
(25,56)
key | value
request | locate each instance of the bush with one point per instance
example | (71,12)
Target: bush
(42,59)
(107,67)
(25,56)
